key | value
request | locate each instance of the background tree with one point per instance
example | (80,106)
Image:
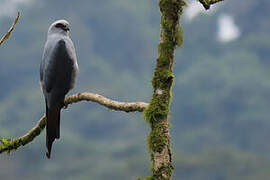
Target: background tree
(205,108)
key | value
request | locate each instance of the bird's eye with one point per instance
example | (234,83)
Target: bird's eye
(62,26)
(59,25)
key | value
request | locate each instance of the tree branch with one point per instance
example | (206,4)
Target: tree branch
(111,104)
(157,113)
(9,145)
(207,3)
(6,36)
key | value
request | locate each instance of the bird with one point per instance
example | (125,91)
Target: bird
(58,71)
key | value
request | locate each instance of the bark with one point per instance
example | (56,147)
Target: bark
(157,114)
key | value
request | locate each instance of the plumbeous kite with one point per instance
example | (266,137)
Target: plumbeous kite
(58,71)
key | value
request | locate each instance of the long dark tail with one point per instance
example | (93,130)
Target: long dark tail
(52,127)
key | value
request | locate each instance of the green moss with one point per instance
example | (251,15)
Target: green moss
(171,8)
(179,36)
(171,11)
(5,145)
(164,170)
(163,79)
(165,50)
(156,140)
(158,109)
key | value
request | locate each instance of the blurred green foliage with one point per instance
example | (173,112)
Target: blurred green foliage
(221,94)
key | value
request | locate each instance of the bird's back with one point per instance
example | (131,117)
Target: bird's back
(58,68)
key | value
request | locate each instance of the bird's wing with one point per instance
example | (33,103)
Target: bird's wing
(46,58)
(58,67)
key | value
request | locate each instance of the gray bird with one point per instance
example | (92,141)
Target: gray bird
(58,71)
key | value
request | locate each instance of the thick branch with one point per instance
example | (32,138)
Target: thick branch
(207,3)
(6,36)
(8,145)
(157,113)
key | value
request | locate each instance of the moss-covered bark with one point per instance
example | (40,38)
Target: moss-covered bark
(158,111)
(8,145)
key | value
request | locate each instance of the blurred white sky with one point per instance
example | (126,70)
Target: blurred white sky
(227,30)
(10,7)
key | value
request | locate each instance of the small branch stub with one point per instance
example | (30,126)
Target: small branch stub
(207,3)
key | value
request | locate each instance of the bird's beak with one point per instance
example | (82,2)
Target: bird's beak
(67,28)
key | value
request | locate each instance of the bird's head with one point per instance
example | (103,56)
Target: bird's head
(60,26)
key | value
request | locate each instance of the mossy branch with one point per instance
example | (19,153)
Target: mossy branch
(207,3)
(8,145)
(157,113)
(6,36)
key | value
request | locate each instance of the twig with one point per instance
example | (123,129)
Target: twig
(13,144)
(6,36)
(111,104)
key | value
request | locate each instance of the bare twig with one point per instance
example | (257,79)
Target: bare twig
(207,3)
(6,36)
(111,104)
(13,144)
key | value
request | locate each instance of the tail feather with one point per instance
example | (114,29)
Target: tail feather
(52,127)
(57,129)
